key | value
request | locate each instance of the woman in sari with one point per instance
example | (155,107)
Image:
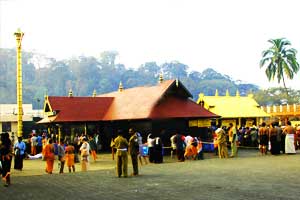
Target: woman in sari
(49,156)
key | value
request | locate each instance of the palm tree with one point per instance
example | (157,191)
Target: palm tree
(280,61)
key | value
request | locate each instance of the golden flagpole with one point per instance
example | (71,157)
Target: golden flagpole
(19,35)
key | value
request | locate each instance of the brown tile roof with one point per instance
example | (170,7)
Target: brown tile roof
(141,103)
(173,107)
(71,109)
(169,99)
(135,103)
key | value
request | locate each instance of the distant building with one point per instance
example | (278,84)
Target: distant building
(8,117)
(239,110)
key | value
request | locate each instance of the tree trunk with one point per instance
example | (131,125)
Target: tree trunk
(286,90)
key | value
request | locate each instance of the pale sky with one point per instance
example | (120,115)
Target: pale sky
(226,35)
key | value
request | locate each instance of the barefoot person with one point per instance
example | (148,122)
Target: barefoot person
(85,154)
(70,157)
(49,156)
(289,131)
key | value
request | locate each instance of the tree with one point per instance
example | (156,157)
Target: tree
(276,96)
(174,70)
(280,61)
(108,57)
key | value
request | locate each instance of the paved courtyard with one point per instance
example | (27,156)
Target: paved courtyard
(250,176)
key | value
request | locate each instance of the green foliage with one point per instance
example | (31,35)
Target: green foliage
(85,74)
(276,96)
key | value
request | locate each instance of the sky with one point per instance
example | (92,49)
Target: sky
(226,35)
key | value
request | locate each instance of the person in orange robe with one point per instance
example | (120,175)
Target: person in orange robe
(49,156)
(44,143)
(70,149)
(191,150)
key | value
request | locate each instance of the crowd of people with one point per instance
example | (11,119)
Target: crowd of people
(47,148)
(267,138)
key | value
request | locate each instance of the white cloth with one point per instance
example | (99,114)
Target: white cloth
(188,139)
(150,140)
(37,156)
(289,143)
(140,139)
(173,143)
(85,147)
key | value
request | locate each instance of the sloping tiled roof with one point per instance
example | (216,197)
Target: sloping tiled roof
(169,99)
(71,109)
(135,103)
(233,106)
(173,107)
(144,103)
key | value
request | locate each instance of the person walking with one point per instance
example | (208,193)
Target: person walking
(19,149)
(33,141)
(70,157)
(121,144)
(93,147)
(85,154)
(134,151)
(49,156)
(44,142)
(233,140)
(5,157)
(143,149)
(222,143)
(61,156)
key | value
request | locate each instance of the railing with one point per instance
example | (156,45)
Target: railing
(291,110)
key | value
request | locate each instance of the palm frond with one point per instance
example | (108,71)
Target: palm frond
(279,60)
(288,72)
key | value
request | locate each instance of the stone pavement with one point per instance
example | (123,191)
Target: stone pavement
(250,176)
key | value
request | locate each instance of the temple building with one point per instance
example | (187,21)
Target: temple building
(239,110)
(161,110)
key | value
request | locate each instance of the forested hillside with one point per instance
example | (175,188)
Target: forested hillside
(42,75)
